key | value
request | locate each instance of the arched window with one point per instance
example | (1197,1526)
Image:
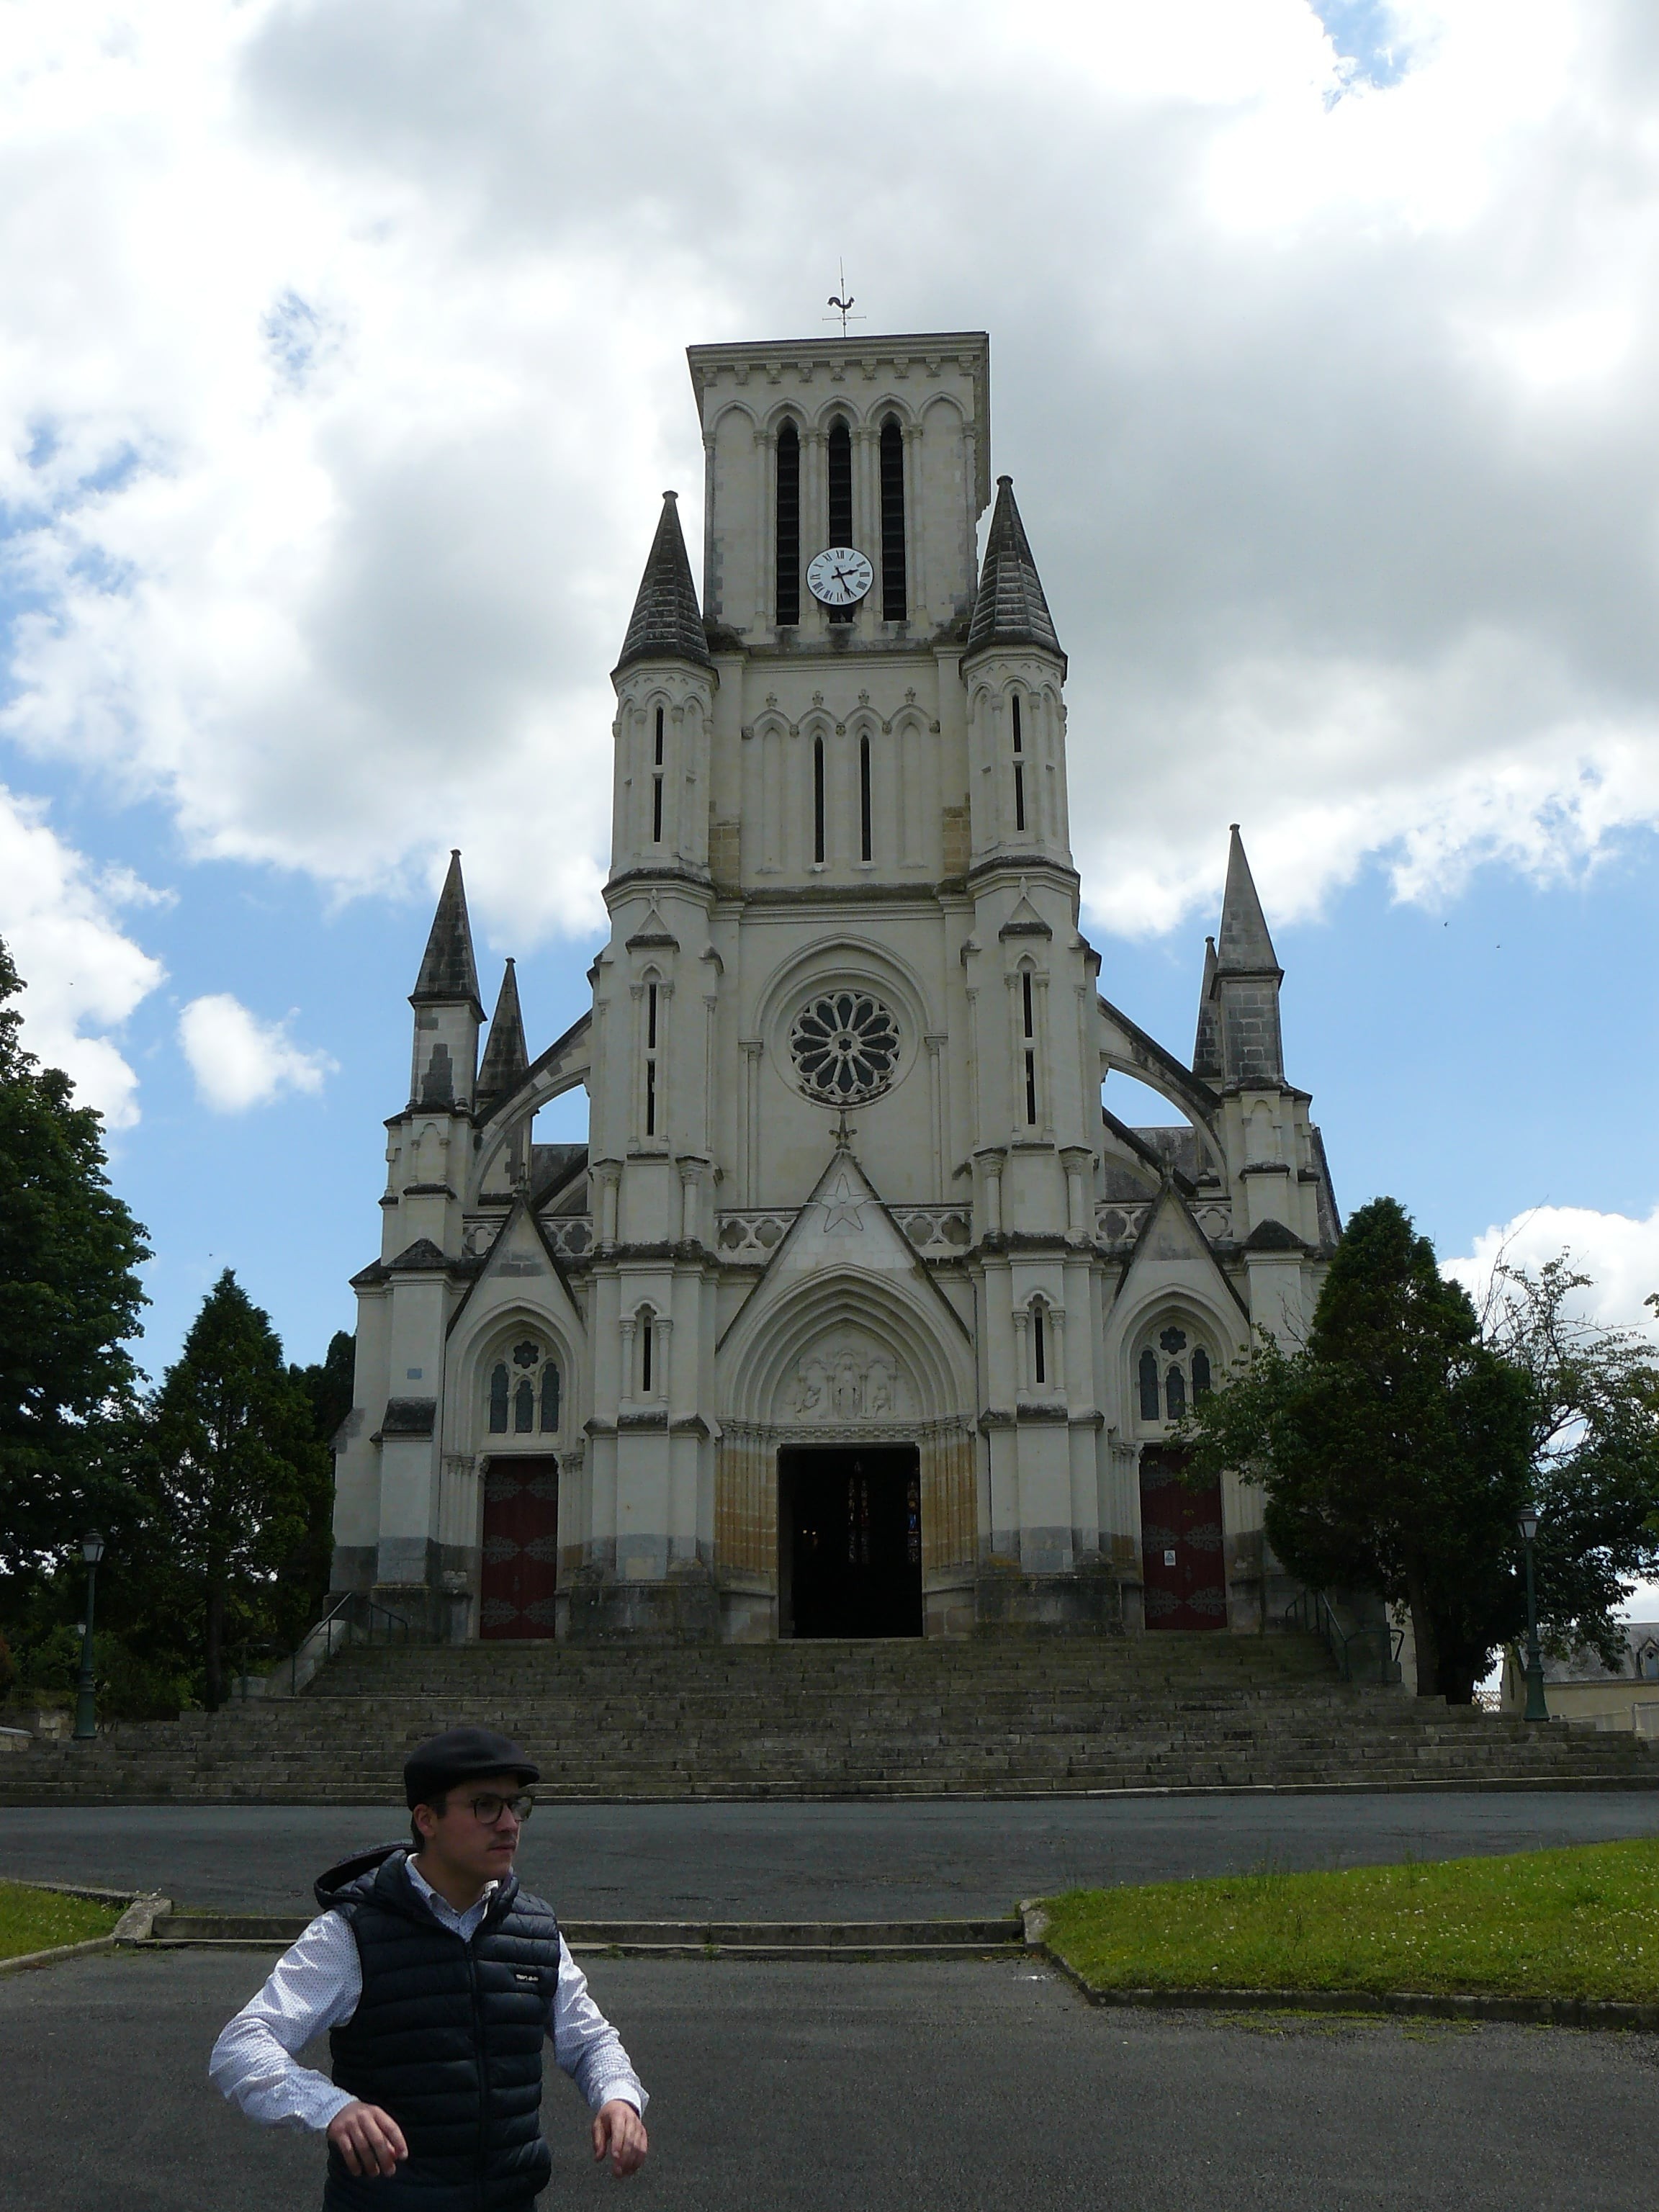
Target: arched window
(1019,763)
(893,605)
(864,799)
(818,798)
(525,1394)
(1173,1372)
(645,1349)
(1028,1015)
(651,1015)
(788,527)
(656,787)
(841,497)
(1039,1348)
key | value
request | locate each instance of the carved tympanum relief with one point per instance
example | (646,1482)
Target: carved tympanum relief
(845,1381)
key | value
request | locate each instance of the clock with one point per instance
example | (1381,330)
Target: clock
(839,576)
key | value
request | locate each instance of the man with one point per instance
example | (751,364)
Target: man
(436,1978)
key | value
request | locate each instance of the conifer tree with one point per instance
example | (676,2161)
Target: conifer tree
(242,1482)
(1395,1449)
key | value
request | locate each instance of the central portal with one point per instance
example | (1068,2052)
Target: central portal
(849,1529)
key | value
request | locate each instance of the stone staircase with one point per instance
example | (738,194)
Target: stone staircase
(995,1716)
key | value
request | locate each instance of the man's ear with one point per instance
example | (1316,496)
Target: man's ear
(426,1821)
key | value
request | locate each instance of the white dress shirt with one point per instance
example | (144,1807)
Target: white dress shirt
(315,1985)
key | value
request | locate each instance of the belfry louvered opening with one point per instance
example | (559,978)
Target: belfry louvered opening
(788,527)
(840,487)
(894,604)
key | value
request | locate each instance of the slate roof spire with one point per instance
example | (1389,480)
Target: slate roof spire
(1206,1045)
(1242,944)
(448,973)
(1009,608)
(667,623)
(506,1059)
(1243,989)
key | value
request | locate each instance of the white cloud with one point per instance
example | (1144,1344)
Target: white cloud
(1330,402)
(60,918)
(1619,1255)
(239,1061)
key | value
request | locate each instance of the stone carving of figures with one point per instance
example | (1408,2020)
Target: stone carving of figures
(849,1388)
(879,1395)
(811,1393)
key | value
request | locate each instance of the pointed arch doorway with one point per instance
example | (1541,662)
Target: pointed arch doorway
(849,1540)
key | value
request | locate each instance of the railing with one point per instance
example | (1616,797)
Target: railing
(353,1618)
(1363,1654)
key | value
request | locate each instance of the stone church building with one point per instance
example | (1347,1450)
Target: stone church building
(857,1315)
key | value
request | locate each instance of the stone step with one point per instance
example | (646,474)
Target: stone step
(770,1939)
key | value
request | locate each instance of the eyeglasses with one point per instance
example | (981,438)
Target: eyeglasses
(487,1807)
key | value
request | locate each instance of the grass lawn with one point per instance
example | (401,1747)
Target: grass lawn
(1583,1923)
(39,1919)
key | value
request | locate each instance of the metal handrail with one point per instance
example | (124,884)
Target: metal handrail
(1349,1647)
(353,1618)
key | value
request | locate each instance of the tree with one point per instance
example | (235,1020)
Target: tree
(70,1300)
(1594,1453)
(241,1479)
(1395,1448)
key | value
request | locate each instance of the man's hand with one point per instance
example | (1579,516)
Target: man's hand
(370,2141)
(618,2131)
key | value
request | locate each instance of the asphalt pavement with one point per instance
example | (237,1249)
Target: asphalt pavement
(912,2088)
(871,1861)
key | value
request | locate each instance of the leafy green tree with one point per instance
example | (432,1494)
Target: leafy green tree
(1595,1453)
(240,1481)
(1395,1448)
(69,1301)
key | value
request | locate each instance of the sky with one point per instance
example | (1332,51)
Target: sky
(342,366)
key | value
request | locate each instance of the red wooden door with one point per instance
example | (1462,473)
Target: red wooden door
(1182,1569)
(520,1547)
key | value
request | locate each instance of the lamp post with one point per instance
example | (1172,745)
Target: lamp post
(86,1703)
(1527,1522)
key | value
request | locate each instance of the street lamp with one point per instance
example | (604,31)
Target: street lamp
(1526,1522)
(86,1706)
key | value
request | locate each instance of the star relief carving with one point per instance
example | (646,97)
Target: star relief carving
(843,1206)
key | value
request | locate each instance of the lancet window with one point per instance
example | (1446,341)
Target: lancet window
(840,487)
(788,576)
(865,834)
(524,1391)
(653,1019)
(1019,762)
(893,586)
(1028,1021)
(656,784)
(1173,1372)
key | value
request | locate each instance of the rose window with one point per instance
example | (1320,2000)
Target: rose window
(844,1045)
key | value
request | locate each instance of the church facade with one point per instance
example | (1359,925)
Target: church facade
(858,1314)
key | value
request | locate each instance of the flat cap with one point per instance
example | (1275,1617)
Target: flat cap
(458,1755)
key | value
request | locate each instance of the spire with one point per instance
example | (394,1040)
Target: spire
(667,623)
(1009,608)
(1244,984)
(1206,1045)
(505,1058)
(1244,947)
(448,972)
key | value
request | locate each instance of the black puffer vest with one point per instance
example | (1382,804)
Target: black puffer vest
(447,2038)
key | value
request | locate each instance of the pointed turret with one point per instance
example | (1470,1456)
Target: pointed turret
(1206,1045)
(1009,608)
(667,623)
(1245,987)
(1242,944)
(448,971)
(506,1057)
(447,1008)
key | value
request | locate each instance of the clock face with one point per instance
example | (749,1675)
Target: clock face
(839,576)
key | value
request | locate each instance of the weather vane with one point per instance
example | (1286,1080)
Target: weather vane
(843,303)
